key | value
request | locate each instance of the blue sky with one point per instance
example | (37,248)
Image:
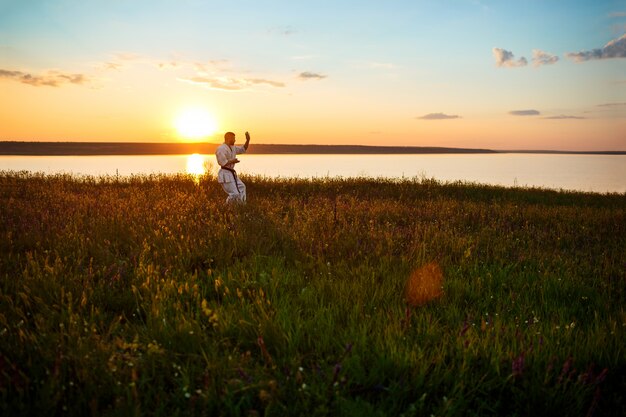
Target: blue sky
(351,72)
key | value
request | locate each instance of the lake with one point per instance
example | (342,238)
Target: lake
(597,173)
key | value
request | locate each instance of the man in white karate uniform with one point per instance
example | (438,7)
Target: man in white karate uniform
(226,155)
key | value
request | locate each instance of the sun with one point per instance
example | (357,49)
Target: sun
(195,123)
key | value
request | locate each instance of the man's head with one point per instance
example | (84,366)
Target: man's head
(229,138)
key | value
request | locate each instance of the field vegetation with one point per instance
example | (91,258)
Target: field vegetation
(148,295)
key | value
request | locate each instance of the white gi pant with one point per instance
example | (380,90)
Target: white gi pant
(236,190)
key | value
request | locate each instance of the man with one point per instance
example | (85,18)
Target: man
(226,155)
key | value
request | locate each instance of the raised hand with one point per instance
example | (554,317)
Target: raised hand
(247,136)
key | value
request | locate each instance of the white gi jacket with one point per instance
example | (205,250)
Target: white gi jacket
(224,153)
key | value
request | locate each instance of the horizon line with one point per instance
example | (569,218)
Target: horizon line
(59,148)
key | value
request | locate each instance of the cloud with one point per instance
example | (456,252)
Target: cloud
(506,59)
(169,64)
(612,105)
(617,14)
(112,66)
(263,81)
(282,30)
(563,116)
(215,74)
(543,58)
(438,116)
(615,48)
(51,79)
(306,75)
(529,112)
(211,65)
(230,84)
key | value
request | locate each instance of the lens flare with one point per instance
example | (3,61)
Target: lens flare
(424,285)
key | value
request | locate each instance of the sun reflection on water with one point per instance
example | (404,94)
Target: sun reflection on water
(196,166)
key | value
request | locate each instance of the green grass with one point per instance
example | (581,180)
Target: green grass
(150,296)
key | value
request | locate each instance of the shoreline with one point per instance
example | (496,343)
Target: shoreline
(144,148)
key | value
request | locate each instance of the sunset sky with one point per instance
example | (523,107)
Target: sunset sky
(480,74)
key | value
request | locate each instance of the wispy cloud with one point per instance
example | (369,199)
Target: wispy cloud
(128,59)
(563,116)
(264,81)
(612,105)
(543,58)
(50,79)
(282,30)
(230,84)
(220,64)
(506,59)
(168,64)
(216,74)
(617,14)
(438,116)
(615,48)
(125,60)
(116,66)
(307,75)
(529,112)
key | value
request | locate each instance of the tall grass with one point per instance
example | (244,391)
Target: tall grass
(149,296)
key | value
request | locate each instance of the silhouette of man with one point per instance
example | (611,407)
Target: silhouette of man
(226,155)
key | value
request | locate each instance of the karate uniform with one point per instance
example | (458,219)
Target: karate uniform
(230,182)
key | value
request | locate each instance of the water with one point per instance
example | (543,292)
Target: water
(597,173)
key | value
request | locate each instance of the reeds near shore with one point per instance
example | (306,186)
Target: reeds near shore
(149,295)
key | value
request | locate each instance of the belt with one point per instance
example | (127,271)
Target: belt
(234,176)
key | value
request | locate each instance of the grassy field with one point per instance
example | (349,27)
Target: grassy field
(149,296)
